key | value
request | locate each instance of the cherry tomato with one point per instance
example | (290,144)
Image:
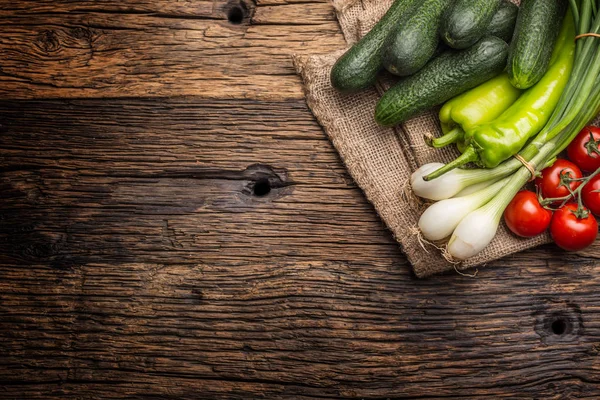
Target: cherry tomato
(525,216)
(584,150)
(591,195)
(571,233)
(549,182)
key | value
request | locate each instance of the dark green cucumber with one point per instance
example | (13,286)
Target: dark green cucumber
(467,21)
(535,35)
(358,68)
(504,21)
(409,47)
(450,74)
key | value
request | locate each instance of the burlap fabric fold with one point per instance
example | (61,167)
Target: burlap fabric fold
(381,160)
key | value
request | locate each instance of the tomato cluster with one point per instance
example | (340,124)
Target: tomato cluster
(572,225)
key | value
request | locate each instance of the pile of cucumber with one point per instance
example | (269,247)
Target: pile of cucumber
(442,48)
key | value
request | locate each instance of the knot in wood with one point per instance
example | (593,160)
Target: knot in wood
(264,180)
(81,33)
(236,11)
(559,321)
(48,41)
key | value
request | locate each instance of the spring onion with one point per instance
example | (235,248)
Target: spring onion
(439,220)
(476,230)
(578,105)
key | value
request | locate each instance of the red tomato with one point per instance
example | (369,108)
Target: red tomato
(584,151)
(571,233)
(591,195)
(549,182)
(525,216)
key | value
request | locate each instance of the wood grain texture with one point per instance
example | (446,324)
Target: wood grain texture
(210,244)
(137,262)
(164,48)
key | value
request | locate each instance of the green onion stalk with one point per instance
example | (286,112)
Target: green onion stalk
(584,81)
(578,105)
(478,228)
(459,180)
(580,87)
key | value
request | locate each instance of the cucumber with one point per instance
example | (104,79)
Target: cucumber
(409,47)
(358,68)
(467,21)
(504,21)
(450,74)
(535,35)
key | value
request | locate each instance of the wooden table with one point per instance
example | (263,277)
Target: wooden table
(174,224)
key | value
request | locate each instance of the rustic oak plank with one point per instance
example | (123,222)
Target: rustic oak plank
(165,7)
(180,7)
(304,328)
(102,171)
(74,50)
(136,261)
(312,14)
(213,246)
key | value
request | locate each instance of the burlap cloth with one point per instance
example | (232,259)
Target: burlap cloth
(381,160)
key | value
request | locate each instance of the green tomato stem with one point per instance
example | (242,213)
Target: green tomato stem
(572,193)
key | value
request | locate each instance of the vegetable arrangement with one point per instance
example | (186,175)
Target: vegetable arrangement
(448,75)
(519,84)
(491,143)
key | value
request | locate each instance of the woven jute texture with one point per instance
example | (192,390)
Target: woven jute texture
(381,160)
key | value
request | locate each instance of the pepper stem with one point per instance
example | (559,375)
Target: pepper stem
(451,137)
(468,156)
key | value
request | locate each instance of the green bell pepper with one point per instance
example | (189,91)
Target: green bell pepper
(480,105)
(491,143)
